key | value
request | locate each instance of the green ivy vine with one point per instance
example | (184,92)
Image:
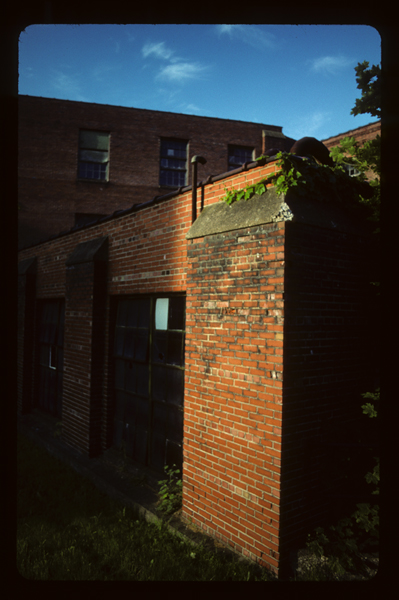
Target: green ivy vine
(309,179)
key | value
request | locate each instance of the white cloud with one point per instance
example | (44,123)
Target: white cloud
(159,50)
(181,71)
(177,69)
(249,34)
(330,64)
(101,71)
(309,125)
(68,85)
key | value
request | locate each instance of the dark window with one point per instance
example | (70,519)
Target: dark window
(238,155)
(173,164)
(51,356)
(149,379)
(93,155)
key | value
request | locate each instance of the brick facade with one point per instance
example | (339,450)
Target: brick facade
(276,346)
(361,135)
(51,196)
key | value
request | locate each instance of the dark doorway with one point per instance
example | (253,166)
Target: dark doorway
(51,356)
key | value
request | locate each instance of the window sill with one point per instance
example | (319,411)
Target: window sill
(84,180)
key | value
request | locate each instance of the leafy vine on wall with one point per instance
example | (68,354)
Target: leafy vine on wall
(308,179)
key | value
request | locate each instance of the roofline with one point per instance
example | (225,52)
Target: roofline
(156,200)
(351,130)
(164,112)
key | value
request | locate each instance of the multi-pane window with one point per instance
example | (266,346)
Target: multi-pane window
(238,155)
(173,164)
(149,379)
(93,155)
(50,351)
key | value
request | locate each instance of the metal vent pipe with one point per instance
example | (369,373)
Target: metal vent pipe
(194,161)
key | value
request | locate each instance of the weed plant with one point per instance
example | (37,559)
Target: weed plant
(68,530)
(170,493)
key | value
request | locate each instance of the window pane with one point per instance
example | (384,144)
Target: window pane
(96,140)
(131,379)
(161,313)
(175,386)
(122,312)
(119,405)
(159,346)
(130,409)
(172,163)
(175,424)
(173,148)
(158,451)
(141,345)
(94,156)
(160,419)
(176,313)
(159,383)
(142,413)
(238,155)
(92,171)
(175,349)
(173,178)
(144,305)
(130,343)
(173,454)
(120,374)
(143,376)
(132,313)
(119,341)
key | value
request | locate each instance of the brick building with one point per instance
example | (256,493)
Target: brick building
(78,160)
(235,344)
(361,135)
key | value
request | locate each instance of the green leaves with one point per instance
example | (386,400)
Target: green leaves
(170,493)
(369,81)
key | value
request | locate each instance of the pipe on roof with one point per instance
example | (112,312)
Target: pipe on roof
(194,161)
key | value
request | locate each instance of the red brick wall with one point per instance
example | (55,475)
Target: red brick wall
(147,254)
(233,397)
(327,365)
(50,193)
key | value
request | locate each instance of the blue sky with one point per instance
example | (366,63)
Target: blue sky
(300,77)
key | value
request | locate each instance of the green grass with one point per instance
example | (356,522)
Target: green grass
(68,530)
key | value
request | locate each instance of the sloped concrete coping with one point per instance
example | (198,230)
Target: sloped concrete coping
(269,208)
(92,250)
(27,266)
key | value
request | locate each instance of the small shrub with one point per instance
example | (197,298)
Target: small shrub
(342,544)
(170,493)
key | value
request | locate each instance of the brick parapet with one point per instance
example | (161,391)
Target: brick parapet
(233,403)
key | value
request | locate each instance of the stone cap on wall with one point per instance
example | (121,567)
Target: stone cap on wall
(27,266)
(269,208)
(92,250)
